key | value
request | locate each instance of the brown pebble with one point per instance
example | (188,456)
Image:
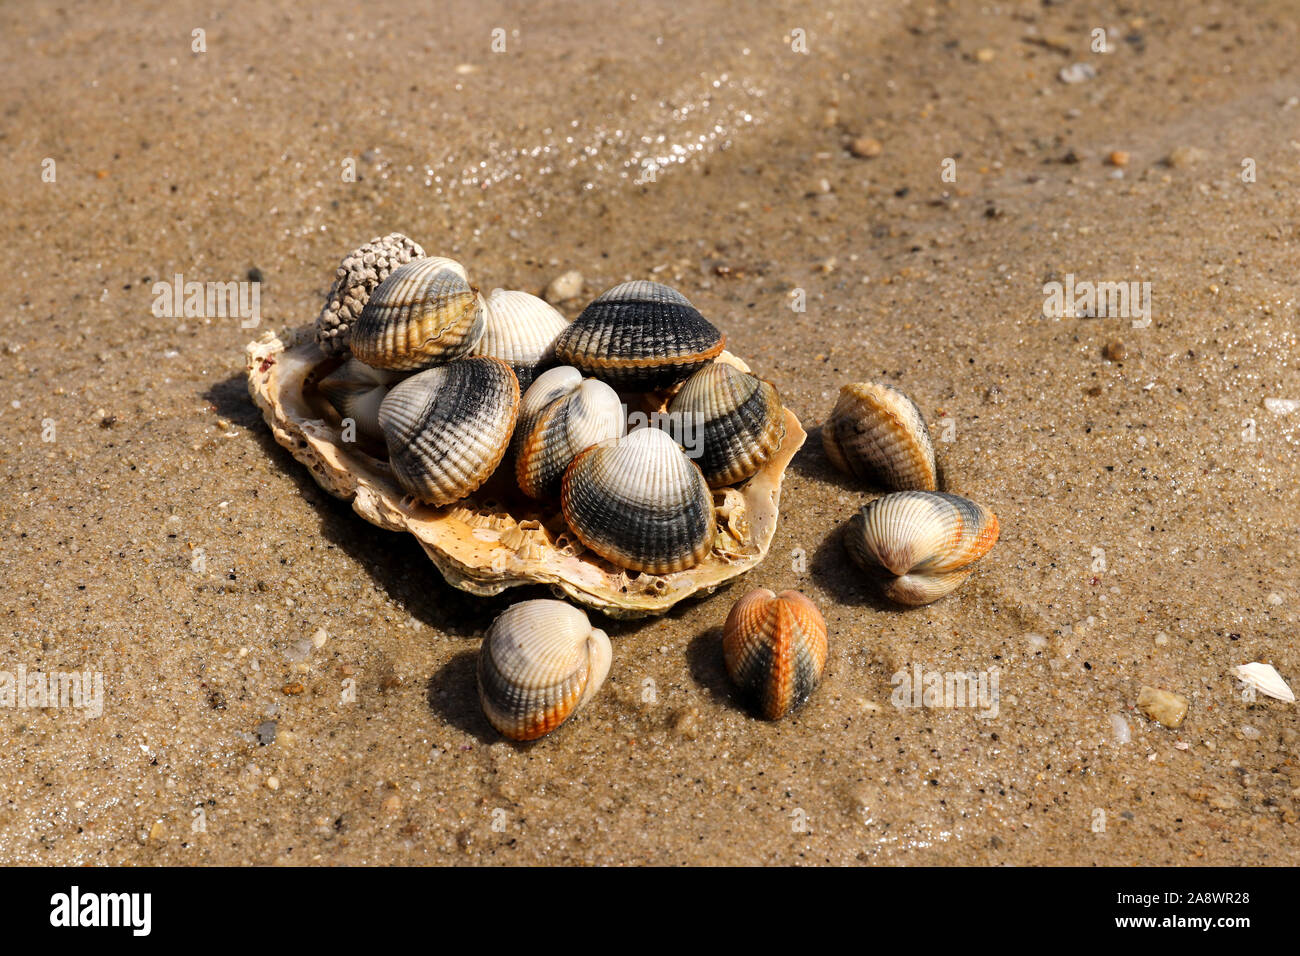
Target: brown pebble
(1162,706)
(1092,391)
(687,723)
(1117,157)
(1185,156)
(866,147)
(293,690)
(1114,351)
(985,55)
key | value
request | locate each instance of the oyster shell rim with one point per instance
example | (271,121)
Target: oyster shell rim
(278,364)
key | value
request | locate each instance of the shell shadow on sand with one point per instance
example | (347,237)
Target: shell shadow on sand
(452,695)
(704,660)
(393,561)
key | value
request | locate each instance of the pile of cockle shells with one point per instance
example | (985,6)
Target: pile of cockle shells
(451,383)
(450,390)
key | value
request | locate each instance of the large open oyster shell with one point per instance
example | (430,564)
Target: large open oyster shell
(494,539)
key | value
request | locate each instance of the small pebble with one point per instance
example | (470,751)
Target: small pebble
(866,147)
(564,287)
(266,732)
(1118,157)
(1113,351)
(1119,726)
(1185,156)
(985,55)
(255,275)
(272,783)
(1162,706)
(1077,73)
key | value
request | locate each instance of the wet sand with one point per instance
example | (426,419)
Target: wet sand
(1148,501)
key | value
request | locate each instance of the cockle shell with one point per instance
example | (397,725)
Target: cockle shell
(736,418)
(540,662)
(424,314)
(552,384)
(447,428)
(920,544)
(774,647)
(590,413)
(877,433)
(358,275)
(639,502)
(520,329)
(356,391)
(639,336)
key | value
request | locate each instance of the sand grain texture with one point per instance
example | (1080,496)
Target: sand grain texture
(1149,503)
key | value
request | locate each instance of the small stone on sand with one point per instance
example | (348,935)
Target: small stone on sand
(1114,351)
(866,147)
(1118,157)
(1185,156)
(1162,706)
(1077,73)
(564,287)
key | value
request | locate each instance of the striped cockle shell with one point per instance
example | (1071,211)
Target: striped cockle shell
(734,419)
(447,428)
(877,433)
(639,336)
(520,329)
(539,663)
(358,275)
(640,503)
(424,314)
(356,391)
(546,388)
(774,647)
(592,412)
(920,544)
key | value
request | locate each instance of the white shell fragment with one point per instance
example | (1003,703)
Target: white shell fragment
(1265,679)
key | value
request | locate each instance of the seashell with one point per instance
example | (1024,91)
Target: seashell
(424,314)
(877,433)
(540,662)
(356,391)
(591,413)
(920,544)
(552,384)
(358,275)
(1265,679)
(775,650)
(520,329)
(639,502)
(639,336)
(448,428)
(742,417)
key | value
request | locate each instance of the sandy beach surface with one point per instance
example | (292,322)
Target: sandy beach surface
(283,683)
